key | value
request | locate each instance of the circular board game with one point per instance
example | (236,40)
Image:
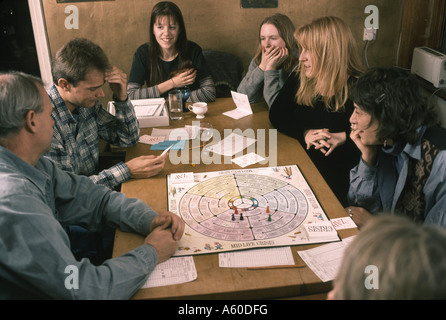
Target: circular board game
(243,207)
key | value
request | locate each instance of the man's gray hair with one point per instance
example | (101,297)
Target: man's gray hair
(19,93)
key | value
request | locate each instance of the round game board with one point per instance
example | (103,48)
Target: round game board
(243,207)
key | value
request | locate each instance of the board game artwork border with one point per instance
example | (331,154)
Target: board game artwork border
(244,209)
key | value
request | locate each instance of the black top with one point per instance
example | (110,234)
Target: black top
(292,119)
(140,72)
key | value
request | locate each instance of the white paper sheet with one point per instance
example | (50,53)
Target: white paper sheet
(173,271)
(243,107)
(256,258)
(148,107)
(343,223)
(325,260)
(150,139)
(248,159)
(321,231)
(184,177)
(230,145)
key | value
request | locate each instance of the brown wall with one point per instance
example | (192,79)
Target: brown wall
(120,26)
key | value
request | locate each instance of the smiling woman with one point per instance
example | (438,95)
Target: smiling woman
(169,60)
(275,59)
(166,32)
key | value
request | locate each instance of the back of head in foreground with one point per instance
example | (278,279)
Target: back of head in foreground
(408,261)
(19,93)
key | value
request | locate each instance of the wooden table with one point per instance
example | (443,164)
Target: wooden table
(214,282)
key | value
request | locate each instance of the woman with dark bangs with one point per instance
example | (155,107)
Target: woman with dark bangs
(402,169)
(169,60)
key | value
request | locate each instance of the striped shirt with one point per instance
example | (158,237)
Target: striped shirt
(202,90)
(76,135)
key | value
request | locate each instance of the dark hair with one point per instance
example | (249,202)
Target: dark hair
(166,9)
(74,60)
(392,96)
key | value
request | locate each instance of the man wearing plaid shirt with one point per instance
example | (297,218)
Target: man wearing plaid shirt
(76,136)
(80,69)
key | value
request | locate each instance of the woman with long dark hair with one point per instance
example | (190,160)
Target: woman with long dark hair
(169,60)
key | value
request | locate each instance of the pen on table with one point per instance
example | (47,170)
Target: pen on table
(194,147)
(278,267)
(165,151)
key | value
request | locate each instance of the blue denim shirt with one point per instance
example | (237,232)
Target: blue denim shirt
(34,248)
(378,188)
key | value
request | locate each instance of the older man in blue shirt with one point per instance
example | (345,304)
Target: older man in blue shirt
(37,199)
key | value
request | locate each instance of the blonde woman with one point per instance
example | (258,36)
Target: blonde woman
(313,105)
(275,59)
(393,258)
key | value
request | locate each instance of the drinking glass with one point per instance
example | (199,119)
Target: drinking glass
(185,94)
(175,105)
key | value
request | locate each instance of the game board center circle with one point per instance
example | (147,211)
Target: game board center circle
(244,203)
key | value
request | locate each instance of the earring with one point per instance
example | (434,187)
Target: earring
(385,143)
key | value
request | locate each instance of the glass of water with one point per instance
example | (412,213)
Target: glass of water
(185,94)
(175,105)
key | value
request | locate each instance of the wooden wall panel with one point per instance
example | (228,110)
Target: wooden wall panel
(120,26)
(422,25)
